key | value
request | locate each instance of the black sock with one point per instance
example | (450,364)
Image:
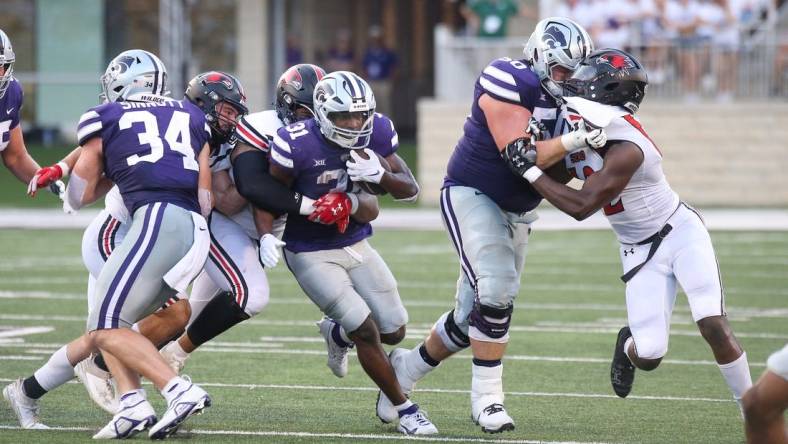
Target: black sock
(486,363)
(426,356)
(32,388)
(99,361)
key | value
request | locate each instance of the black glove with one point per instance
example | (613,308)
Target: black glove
(520,155)
(537,130)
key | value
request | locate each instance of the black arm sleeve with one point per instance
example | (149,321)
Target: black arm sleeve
(255,184)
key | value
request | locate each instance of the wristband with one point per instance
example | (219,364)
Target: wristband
(353,202)
(307,206)
(533,173)
(64,168)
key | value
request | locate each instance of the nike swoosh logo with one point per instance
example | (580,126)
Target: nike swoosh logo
(9,110)
(202,229)
(478,193)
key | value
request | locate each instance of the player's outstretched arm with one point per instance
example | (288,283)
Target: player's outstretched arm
(46,176)
(254,182)
(17,159)
(621,162)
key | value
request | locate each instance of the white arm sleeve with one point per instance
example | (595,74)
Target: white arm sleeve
(75,191)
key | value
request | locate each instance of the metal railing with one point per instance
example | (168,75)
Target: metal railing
(702,72)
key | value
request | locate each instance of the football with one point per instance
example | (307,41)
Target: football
(369,187)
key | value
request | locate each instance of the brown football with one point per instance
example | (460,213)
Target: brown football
(369,187)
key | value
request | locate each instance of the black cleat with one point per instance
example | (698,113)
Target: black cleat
(622,372)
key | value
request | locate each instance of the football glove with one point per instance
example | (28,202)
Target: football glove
(333,208)
(536,129)
(582,138)
(365,170)
(520,155)
(269,250)
(46,177)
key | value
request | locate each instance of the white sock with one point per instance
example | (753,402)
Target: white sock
(174,387)
(175,348)
(56,372)
(737,376)
(415,365)
(133,397)
(404,406)
(630,340)
(487,383)
(344,336)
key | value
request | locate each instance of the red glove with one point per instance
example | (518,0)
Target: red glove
(333,208)
(45,177)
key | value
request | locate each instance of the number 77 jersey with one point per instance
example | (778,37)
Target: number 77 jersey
(150,149)
(647,201)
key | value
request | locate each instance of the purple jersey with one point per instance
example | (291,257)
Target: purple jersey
(476,161)
(318,167)
(150,149)
(10,105)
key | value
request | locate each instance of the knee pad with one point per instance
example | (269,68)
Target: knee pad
(217,317)
(452,336)
(490,324)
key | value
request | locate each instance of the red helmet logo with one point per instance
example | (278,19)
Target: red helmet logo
(617,61)
(217,77)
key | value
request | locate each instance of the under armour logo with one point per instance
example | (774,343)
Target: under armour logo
(336,209)
(628,252)
(319,162)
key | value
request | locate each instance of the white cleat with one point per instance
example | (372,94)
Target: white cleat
(384,408)
(174,358)
(337,355)
(416,424)
(494,419)
(191,401)
(129,421)
(99,384)
(26,409)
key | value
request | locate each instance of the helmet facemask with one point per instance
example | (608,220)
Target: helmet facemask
(340,98)
(7,60)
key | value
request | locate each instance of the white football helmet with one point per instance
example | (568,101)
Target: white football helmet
(133,72)
(556,41)
(344,92)
(7,59)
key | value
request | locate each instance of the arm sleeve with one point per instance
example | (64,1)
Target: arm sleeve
(255,184)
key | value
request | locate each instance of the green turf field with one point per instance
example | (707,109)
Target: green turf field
(269,381)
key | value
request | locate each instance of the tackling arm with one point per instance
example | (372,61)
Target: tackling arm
(621,162)
(87,183)
(204,181)
(228,201)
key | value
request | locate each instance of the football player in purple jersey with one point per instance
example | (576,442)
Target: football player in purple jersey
(12,142)
(487,211)
(335,265)
(155,150)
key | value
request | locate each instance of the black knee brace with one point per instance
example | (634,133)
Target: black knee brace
(454,332)
(218,316)
(491,321)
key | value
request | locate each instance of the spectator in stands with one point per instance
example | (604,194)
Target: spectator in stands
(581,11)
(682,19)
(719,16)
(293,53)
(612,30)
(654,37)
(340,56)
(380,68)
(489,18)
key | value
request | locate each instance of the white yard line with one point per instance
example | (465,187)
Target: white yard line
(370,436)
(439,390)
(276,347)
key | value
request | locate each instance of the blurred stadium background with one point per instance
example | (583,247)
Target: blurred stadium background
(716,104)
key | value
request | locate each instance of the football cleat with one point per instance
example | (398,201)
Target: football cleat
(337,354)
(384,408)
(622,372)
(416,424)
(26,409)
(494,419)
(191,401)
(99,384)
(129,421)
(174,359)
